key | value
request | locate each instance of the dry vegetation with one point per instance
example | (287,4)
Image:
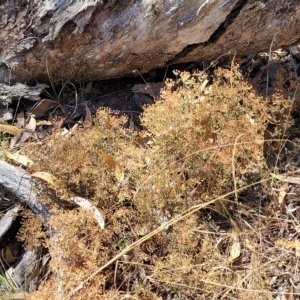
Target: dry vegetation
(202,149)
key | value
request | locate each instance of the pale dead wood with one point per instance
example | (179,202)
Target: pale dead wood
(18,91)
(108,39)
(19,182)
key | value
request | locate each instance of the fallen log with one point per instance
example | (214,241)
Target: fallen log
(91,40)
(18,182)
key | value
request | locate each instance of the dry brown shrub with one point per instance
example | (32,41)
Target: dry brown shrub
(202,140)
(32,232)
(200,134)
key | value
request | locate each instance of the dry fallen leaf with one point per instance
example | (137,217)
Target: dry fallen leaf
(151,88)
(52,180)
(55,184)
(143,141)
(15,140)
(19,158)
(249,244)
(114,166)
(9,129)
(285,178)
(88,116)
(31,124)
(46,123)
(235,249)
(203,85)
(208,128)
(7,255)
(25,136)
(291,293)
(282,192)
(41,108)
(293,244)
(87,205)
(21,118)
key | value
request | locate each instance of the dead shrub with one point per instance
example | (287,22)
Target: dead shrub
(203,139)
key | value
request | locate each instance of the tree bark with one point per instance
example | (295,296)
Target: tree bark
(54,40)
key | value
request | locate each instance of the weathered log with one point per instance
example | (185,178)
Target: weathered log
(89,40)
(19,182)
(7,220)
(27,273)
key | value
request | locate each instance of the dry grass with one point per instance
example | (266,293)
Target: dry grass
(192,217)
